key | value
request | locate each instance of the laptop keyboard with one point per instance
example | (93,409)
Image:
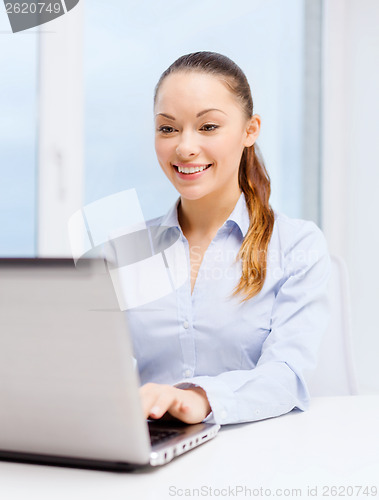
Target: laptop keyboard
(160,435)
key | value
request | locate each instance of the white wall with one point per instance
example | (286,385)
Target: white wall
(60,131)
(351,165)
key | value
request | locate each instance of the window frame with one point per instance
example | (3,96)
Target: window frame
(60,130)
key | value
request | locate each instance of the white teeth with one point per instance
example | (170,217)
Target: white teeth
(191,170)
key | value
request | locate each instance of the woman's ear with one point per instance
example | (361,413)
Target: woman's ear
(252,130)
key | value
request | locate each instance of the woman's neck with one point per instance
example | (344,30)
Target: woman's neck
(203,217)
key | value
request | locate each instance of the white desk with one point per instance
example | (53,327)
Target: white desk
(335,443)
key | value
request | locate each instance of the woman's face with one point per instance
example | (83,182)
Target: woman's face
(200,134)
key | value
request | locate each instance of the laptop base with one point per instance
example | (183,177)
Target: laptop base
(71,462)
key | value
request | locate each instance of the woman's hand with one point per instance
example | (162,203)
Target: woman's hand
(189,405)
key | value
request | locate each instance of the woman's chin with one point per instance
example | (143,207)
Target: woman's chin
(192,194)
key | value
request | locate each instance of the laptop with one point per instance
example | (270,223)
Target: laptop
(68,381)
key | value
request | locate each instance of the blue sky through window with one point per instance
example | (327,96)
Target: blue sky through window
(18,135)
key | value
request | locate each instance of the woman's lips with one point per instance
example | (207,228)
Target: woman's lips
(187,169)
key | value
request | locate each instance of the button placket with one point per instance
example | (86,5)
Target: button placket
(185,313)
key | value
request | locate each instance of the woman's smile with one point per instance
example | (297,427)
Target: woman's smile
(191,171)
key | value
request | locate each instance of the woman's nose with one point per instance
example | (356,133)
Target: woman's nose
(187,145)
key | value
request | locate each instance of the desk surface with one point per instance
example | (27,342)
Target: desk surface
(335,443)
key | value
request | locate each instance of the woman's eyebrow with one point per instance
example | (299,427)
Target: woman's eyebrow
(197,116)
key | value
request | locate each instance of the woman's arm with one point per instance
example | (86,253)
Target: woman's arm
(276,385)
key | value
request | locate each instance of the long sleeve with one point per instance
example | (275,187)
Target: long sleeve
(299,317)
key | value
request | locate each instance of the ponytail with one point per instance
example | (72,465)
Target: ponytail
(254,181)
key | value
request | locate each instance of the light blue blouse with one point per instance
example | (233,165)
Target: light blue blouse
(248,357)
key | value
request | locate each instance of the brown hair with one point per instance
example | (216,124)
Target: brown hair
(253,178)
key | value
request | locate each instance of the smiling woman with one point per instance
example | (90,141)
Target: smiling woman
(232,343)
(215,137)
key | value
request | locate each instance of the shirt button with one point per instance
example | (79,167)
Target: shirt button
(187,373)
(223,414)
(257,412)
(186,324)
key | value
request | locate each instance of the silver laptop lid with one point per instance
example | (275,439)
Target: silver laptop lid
(67,382)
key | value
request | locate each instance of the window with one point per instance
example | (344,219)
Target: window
(18,140)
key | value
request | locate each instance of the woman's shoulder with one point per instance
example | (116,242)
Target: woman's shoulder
(292,234)
(287,223)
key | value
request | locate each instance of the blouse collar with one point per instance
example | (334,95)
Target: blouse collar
(239,215)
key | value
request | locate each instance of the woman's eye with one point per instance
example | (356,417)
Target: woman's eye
(209,127)
(166,129)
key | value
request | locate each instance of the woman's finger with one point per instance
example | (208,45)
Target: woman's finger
(165,401)
(190,406)
(148,394)
(157,399)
